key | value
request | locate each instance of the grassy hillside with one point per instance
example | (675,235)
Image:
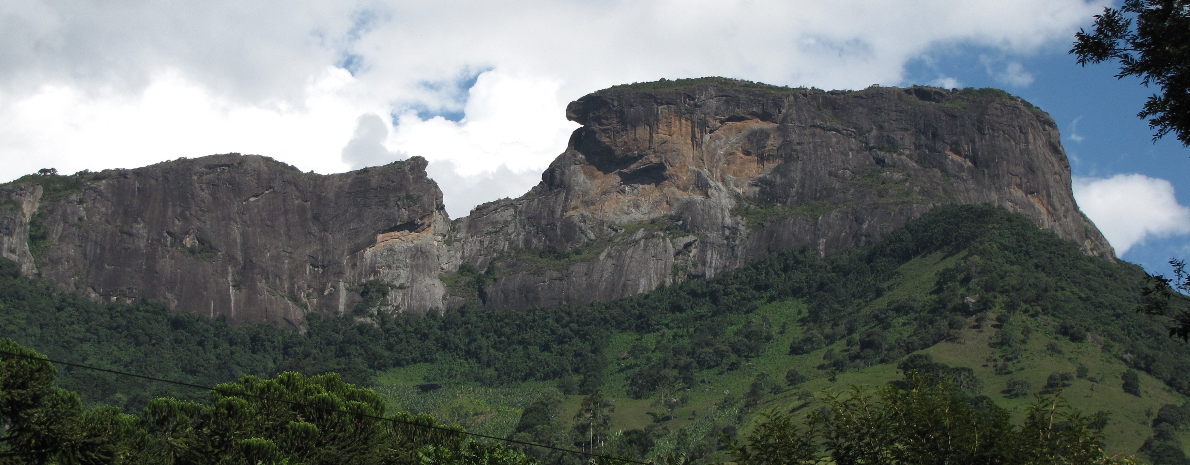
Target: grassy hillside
(1004,308)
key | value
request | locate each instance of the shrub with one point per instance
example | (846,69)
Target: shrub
(1017,388)
(1131,382)
(794,377)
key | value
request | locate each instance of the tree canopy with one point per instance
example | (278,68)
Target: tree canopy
(290,419)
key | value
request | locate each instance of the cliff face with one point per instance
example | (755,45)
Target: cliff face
(664,182)
(241,236)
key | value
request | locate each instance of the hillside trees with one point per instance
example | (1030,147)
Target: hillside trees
(996,259)
(1151,40)
(923,420)
(288,419)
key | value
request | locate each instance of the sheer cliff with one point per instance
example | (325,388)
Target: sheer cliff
(241,236)
(664,182)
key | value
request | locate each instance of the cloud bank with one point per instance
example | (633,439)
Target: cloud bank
(1129,208)
(479,89)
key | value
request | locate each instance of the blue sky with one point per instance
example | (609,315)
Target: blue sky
(479,89)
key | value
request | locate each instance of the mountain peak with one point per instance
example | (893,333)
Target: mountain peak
(665,181)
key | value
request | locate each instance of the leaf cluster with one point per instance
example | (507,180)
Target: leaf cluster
(1151,39)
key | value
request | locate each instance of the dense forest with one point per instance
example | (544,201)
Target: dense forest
(294,419)
(994,268)
(289,419)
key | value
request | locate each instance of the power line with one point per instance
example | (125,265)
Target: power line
(394,420)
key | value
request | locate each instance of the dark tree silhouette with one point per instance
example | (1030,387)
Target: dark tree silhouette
(1151,39)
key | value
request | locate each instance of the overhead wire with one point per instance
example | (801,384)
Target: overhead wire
(395,420)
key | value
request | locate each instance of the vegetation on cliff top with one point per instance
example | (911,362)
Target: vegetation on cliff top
(959,96)
(667,85)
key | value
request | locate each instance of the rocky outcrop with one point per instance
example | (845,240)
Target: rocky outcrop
(241,236)
(664,182)
(670,181)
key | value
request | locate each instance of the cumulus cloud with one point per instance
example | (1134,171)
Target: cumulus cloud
(89,84)
(1010,73)
(946,82)
(511,121)
(1128,208)
(366,147)
(461,193)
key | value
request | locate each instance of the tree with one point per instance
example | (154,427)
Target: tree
(1155,48)
(775,441)
(1131,382)
(593,419)
(42,423)
(288,419)
(1162,297)
(794,377)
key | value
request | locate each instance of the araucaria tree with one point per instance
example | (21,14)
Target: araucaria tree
(593,420)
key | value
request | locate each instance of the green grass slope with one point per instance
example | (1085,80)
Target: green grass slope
(1006,309)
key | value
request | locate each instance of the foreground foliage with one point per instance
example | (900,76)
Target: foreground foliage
(1156,49)
(291,419)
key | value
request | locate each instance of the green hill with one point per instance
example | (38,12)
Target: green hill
(974,293)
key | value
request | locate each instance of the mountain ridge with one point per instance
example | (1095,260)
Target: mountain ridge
(665,182)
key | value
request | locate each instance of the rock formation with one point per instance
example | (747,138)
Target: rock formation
(241,236)
(664,181)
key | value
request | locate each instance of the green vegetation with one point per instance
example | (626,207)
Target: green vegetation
(976,295)
(280,164)
(39,236)
(553,258)
(666,85)
(198,251)
(289,419)
(760,215)
(985,93)
(54,186)
(924,421)
(1152,48)
(962,98)
(373,295)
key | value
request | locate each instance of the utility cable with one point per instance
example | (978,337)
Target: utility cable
(394,420)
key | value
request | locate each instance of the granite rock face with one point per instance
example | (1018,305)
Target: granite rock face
(664,182)
(241,236)
(670,181)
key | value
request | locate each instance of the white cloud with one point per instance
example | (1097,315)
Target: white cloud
(946,82)
(367,145)
(461,193)
(1073,134)
(1011,73)
(511,121)
(61,127)
(90,84)
(1128,208)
